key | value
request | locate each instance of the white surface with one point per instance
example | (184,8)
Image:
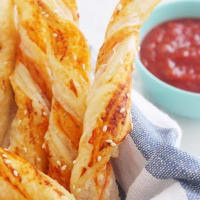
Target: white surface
(94,17)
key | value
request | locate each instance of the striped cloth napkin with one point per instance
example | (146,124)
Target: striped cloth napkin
(150,165)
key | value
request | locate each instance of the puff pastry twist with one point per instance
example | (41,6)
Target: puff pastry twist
(19,180)
(69,59)
(31,83)
(108,116)
(7,58)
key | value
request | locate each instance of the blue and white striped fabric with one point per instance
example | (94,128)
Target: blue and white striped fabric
(150,165)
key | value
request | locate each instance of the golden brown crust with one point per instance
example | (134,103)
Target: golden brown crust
(7,58)
(20,180)
(69,58)
(108,116)
(31,82)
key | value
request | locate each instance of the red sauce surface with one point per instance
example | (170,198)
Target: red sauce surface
(171,51)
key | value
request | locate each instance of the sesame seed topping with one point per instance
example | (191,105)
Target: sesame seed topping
(74,162)
(122,110)
(38,159)
(56,11)
(111,143)
(25,149)
(43,146)
(15,172)
(43,12)
(74,187)
(128,95)
(121,62)
(45,114)
(5,62)
(4,155)
(105,128)
(63,167)
(25,112)
(55,34)
(20,121)
(46,15)
(75,57)
(83,66)
(7,162)
(120,7)
(58,162)
(99,158)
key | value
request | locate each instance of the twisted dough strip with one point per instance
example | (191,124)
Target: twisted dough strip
(108,116)
(32,82)
(7,59)
(19,180)
(69,58)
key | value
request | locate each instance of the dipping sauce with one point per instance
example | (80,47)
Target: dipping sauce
(171,51)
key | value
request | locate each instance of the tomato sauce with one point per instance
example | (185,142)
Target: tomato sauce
(171,51)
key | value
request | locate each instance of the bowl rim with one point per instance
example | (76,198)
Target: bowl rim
(152,76)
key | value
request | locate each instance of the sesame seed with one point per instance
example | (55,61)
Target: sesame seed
(99,158)
(74,162)
(63,167)
(15,173)
(46,15)
(55,34)
(4,155)
(38,159)
(7,162)
(5,62)
(111,143)
(25,149)
(43,146)
(45,114)
(75,57)
(83,66)
(43,12)
(78,190)
(122,110)
(58,162)
(105,128)
(74,187)
(20,121)
(121,62)
(56,11)
(25,112)
(120,7)
(128,95)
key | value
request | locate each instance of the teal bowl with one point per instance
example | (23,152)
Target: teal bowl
(170,98)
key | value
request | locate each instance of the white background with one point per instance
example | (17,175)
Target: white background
(94,17)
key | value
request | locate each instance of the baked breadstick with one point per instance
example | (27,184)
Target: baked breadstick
(108,116)
(7,61)
(19,180)
(69,59)
(31,81)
